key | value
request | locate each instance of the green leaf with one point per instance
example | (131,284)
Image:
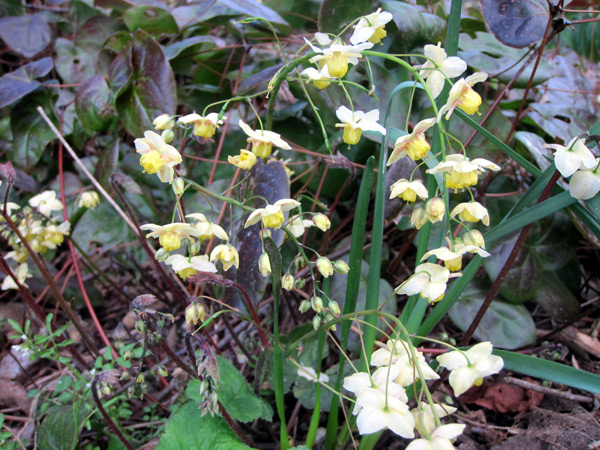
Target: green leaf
(17,84)
(30,133)
(551,371)
(63,383)
(143,83)
(150,19)
(336,13)
(93,104)
(235,394)
(27,35)
(504,325)
(61,426)
(187,429)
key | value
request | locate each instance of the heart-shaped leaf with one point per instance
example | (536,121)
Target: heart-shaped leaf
(27,35)
(21,82)
(516,23)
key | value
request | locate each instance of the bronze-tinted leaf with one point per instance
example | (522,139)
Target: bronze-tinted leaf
(517,23)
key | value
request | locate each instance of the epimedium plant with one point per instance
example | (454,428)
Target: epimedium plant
(225,242)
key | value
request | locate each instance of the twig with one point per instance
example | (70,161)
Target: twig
(548,391)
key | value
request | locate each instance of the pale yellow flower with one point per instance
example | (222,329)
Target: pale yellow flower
(170,235)
(371,28)
(203,126)
(463,96)
(263,140)
(337,56)
(472,212)
(413,145)
(186,267)
(355,122)
(408,190)
(227,254)
(272,215)
(245,160)
(46,202)
(157,156)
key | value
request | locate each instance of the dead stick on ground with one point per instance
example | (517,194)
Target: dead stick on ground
(548,391)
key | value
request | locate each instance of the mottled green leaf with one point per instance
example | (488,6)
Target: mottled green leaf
(556,299)
(271,182)
(174,50)
(188,429)
(150,19)
(72,63)
(61,426)
(415,25)
(205,10)
(94,104)
(21,82)
(504,325)
(27,35)
(235,394)
(143,83)
(336,13)
(30,133)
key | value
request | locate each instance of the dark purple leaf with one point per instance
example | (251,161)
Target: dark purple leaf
(22,81)
(517,23)
(27,35)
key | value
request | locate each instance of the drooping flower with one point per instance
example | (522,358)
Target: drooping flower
(170,235)
(474,237)
(89,199)
(398,355)
(297,225)
(413,145)
(324,266)
(320,78)
(163,122)
(337,56)
(461,171)
(22,273)
(429,280)
(263,140)
(157,156)
(227,254)
(264,265)
(438,67)
(321,221)
(272,215)
(245,160)
(203,126)
(585,184)
(354,123)
(287,281)
(440,439)
(408,190)
(311,374)
(573,157)
(463,96)
(453,258)
(186,267)
(194,313)
(46,202)
(471,212)
(206,230)
(419,217)
(379,412)
(435,209)
(54,235)
(467,368)
(371,28)
(424,418)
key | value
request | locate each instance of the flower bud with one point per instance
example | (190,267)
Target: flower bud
(419,217)
(316,322)
(321,221)
(334,307)
(474,237)
(168,136)
(435,209)
(340,266)
(287,281)
(163,122)
(300,283)
(161,255)
(194,313)
(89,199)
(304,306)
(317,304)
(140,326)
(328,317)
(195,248)
(324,266)
(140,378)
(299,262)
(265,233)
(264,265)
(178,186)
